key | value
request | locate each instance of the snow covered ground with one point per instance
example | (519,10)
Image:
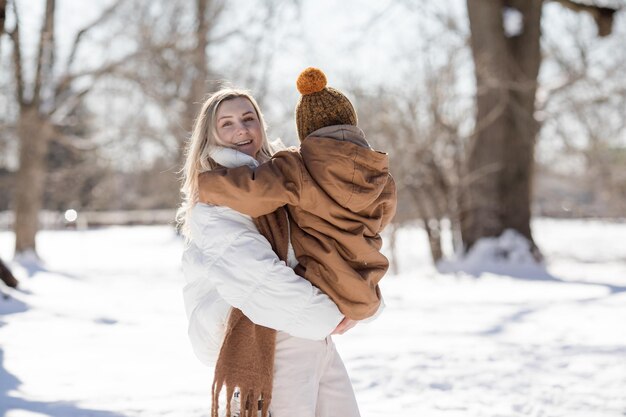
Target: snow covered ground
(99,330)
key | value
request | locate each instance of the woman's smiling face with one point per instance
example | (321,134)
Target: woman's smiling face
(238,126)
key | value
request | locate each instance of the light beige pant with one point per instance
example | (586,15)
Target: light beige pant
(310,380)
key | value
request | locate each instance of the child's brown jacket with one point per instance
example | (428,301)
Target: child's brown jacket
(339,195)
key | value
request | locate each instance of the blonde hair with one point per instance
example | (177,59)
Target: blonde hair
(198,148)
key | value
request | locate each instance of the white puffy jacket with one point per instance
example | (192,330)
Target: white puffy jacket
(229,263)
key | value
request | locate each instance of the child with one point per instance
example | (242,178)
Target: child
(338,193)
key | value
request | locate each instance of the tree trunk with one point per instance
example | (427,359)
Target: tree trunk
(500,158)
(433,231)
(6,276)
(199,82)
(430,217)
(3,15)
(519,152)
(33,133)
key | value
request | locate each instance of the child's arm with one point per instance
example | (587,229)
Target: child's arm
(389,203)
(254,192)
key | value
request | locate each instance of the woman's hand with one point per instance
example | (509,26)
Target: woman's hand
(345,325)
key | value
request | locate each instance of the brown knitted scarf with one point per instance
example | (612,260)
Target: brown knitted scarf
(246,359)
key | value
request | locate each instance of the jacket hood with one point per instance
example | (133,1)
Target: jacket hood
(355,166)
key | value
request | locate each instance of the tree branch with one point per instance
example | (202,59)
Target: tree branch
(68,104)
(17,58)
(225,35)
(45,55)
(74,143)
(95,72)
(79,36)
(603,16)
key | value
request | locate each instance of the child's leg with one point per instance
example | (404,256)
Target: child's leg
(298,365)
(336,395)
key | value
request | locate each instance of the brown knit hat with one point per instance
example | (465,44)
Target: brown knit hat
(320,106)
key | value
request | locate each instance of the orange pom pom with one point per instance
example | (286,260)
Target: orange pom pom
(310,81)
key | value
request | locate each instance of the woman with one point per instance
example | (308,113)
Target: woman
(229,263)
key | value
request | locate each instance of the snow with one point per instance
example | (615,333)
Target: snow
(512,21)
(99,330)
(509,253)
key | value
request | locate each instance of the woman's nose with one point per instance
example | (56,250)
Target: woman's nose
(242,128)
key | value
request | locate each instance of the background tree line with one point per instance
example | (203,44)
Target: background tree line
(499,109)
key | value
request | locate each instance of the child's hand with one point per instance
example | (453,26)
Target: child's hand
(345,325)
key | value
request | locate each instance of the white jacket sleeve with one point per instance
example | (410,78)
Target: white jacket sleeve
(248,275)
(206,310)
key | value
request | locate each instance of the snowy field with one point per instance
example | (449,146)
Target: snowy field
(99,330)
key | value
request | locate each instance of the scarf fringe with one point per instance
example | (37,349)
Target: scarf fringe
(249,404)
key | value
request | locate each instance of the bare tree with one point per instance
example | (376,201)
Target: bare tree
(479,179)
(505,41)
(45,103)
(177,79)
(582,108)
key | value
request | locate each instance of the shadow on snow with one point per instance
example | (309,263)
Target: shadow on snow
(10,383)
